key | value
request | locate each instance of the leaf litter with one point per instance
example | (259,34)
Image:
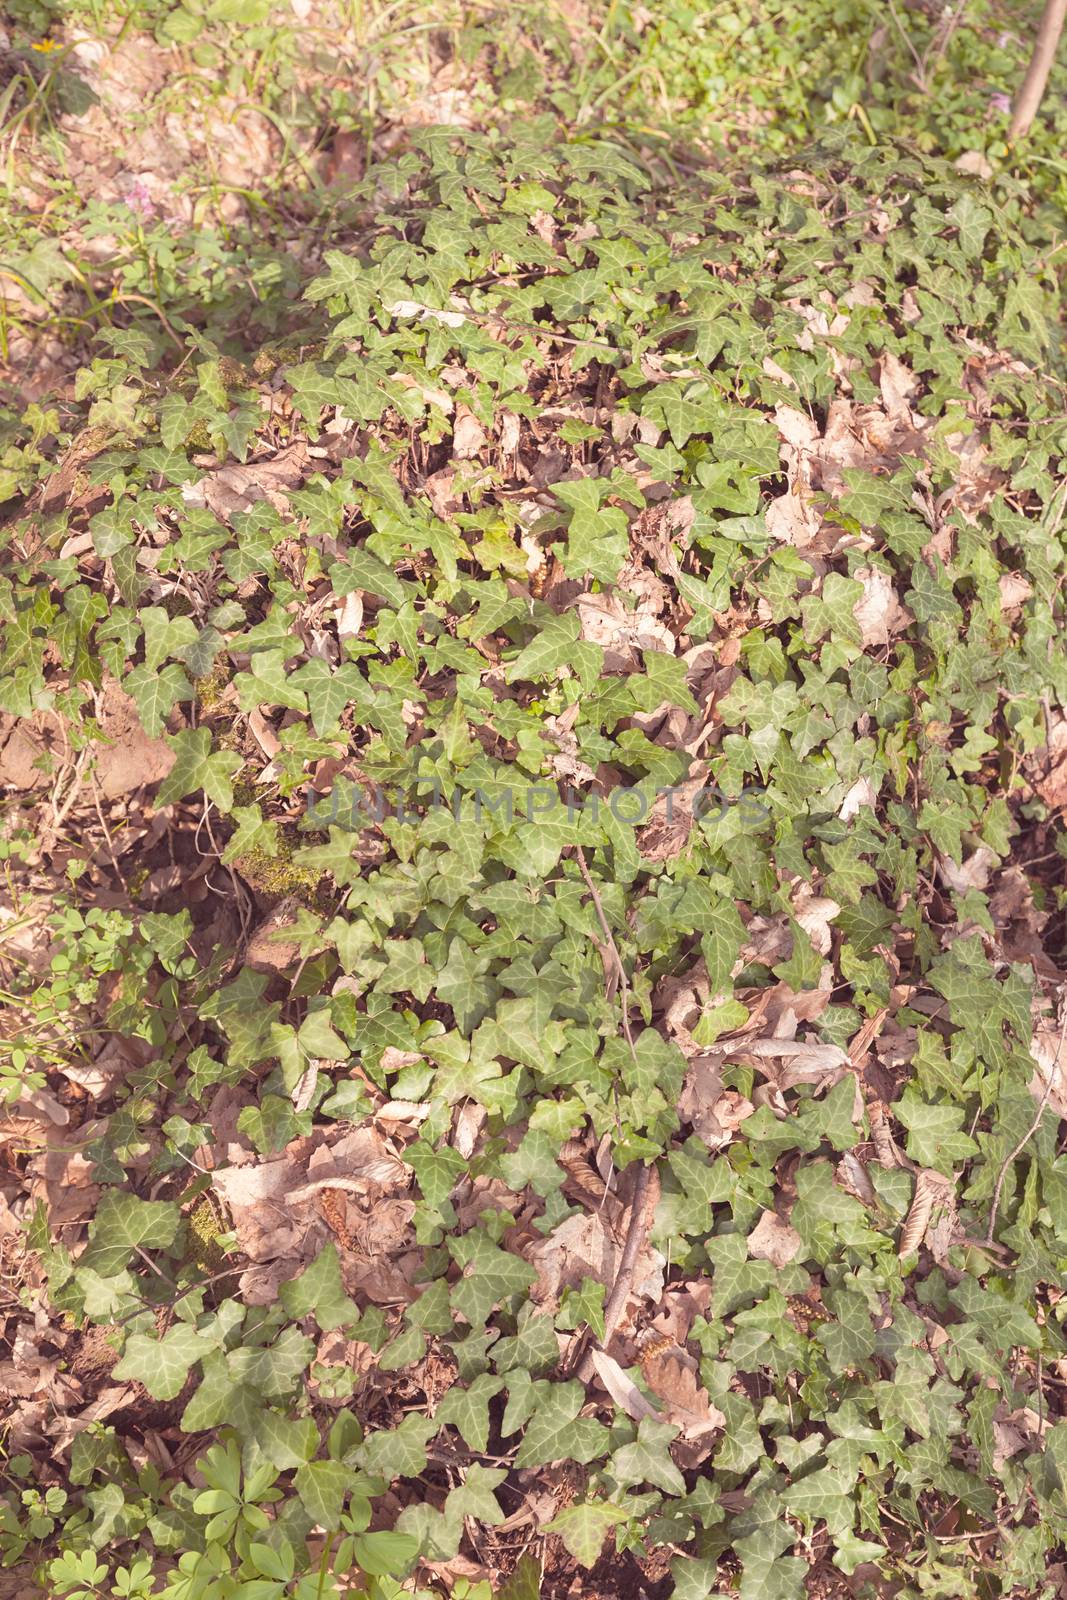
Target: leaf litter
(696,1080)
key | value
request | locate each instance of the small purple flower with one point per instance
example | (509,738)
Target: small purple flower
(1000,103)
(140,200)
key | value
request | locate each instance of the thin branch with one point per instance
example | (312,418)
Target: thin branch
(615,1304)
(946,36)
(637,1228)
(906,36)
(620,970)
(147,1259)
(635,1238)
(1033,85)
(176,1299)
(1027,1136)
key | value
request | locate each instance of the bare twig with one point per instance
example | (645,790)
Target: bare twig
(107,832)
(176,1299)
(615,1304)
(1033,85)
(147,1259)
(635,1238)
(59,812)
(944,39)
(1028,1135)
(906,36)
(638,1224)
(620,970)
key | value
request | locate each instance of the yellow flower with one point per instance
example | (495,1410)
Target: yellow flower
(44,45)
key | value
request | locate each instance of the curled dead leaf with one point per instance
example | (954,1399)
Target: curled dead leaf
(931,1188)
(622,1389)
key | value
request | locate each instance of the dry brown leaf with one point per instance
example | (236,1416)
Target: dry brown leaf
(1014,589)
(773,370)
(620,630)
(1051,779)
(879,613)
(468,435)
(1049,1050)
(862,795)
(774,1240)
(1021,1429)
(41,1104)
(403,309)
(768,940)
(584,1246)
(305,1088)
(239,486)
(804,1061)
(412,1113)
(974,873)
(272,1203)
(931,1189)
(509,432)
(564,760)
(792,518)
(349,616)
(259,1284)
(713,1113)
(674,1377)
(62,1176)
(361,1156)
(28,1375)
(798,431)
(268,949)
(129,760)
(670,821)
(852,1175)
(886,1149)
(897,384)
(974,165)
(429,393)
(814,913)
(779,1009)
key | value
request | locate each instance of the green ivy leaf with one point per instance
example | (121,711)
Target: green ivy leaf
(467,1409)
(647,1459)
(162,1365)
(553,647)
(124,1223)
(557,1433)
(198,766)
(318,1291)
(490,1276)
(584,1526)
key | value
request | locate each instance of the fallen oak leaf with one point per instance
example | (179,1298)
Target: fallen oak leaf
(673,1376)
